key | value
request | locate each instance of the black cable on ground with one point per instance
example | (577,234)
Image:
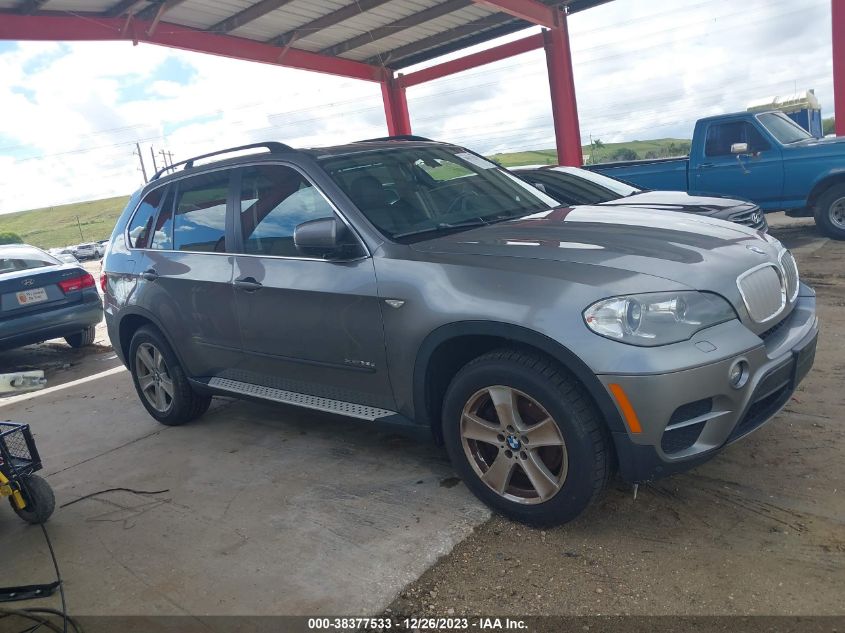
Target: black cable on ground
(102,492)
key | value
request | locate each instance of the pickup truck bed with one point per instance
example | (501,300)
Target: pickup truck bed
(764,157)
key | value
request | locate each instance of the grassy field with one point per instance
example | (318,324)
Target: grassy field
(60,225)
(656,148)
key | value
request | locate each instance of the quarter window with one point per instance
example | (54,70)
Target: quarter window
(199,213)
(141,225)
(274,199)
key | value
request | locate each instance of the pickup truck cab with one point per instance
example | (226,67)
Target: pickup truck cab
(765,157)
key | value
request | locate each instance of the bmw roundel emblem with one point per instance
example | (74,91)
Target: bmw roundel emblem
(514,443)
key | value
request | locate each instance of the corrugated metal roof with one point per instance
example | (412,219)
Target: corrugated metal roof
(393,33)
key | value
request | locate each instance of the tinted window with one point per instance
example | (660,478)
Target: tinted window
(141,224)
(721,136)
(163,232)
(413,191)
(199,213)
(579,186)
(24,259)
(274,199)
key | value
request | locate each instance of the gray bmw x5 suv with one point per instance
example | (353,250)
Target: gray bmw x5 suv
(402,281)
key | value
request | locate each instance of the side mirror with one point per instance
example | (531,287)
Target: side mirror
(739,148)
(328,238)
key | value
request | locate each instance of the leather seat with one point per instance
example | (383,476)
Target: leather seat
(374,201)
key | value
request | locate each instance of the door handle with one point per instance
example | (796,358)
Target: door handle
(706,165)
(247,284)
(150,275)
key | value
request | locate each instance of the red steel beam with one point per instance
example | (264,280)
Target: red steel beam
(73,28)
(562,89)
(528,10)
(395,107)
(530,43)
(837,9)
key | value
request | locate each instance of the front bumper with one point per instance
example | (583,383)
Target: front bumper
(687,416)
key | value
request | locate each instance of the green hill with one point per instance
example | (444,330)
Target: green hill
(60,225)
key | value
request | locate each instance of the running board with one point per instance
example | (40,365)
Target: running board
(327,405)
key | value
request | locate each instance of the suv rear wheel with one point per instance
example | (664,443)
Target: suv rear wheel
(161,382)
(525,437)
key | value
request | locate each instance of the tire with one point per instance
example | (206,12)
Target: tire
(162,372)
(830,212)
(83,338)
(39,498)
(579,470)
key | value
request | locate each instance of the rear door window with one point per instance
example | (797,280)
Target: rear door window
(274,200)
(199,213)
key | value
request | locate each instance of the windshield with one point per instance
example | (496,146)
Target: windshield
(412,191)
(581,186)
(783,128)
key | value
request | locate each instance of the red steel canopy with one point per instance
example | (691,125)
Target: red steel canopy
(363,39)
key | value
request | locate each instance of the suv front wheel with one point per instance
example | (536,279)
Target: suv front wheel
(161,382)
(525,437)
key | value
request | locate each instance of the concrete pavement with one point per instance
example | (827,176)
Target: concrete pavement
(268,511)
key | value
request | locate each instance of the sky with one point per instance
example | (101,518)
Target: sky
(72,112)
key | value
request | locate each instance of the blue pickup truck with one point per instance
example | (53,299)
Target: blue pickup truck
(764,157)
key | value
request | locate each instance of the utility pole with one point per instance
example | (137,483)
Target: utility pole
(165,155)
(79,226)
(153,154)
(137,152)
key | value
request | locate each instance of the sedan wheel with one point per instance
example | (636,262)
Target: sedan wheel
(153,378)
(514,445)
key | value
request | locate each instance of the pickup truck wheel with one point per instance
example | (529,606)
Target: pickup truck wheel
(161,382)
(83,339)
(830,212)
(525,437)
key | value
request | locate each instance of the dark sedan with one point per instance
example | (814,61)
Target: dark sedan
(42,298)
(574,186)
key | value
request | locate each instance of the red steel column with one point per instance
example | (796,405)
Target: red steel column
(837,10)
(395,107)
(562,88)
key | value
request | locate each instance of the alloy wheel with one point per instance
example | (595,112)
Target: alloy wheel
(514,445)
(153,377)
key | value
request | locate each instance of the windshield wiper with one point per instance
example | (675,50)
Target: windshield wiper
(445,226)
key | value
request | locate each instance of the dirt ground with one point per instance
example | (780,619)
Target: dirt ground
(759,530)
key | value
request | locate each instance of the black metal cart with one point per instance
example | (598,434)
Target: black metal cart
(30,495)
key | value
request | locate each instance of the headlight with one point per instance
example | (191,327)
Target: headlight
(657,318)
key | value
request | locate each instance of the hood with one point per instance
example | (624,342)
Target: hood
(698,252)
(710,205)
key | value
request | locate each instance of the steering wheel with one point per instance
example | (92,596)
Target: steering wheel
(463,199)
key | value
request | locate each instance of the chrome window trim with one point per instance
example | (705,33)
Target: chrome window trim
(783,301)
(283,163)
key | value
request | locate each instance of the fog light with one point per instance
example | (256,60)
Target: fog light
(738,375)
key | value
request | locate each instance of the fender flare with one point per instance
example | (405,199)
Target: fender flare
(517,334)
(131,311)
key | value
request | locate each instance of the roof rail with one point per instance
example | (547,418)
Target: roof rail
(273,146)
(398,137)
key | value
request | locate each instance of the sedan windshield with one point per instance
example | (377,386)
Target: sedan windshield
(783,128)
(409,192)
(579,186)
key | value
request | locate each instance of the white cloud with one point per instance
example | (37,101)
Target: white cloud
(72,112)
